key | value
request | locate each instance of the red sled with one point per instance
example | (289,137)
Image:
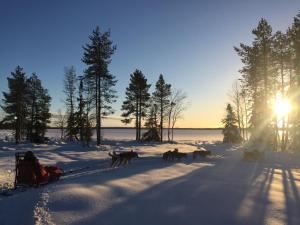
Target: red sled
(29,172)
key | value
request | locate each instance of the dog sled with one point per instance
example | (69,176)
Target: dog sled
(29,172)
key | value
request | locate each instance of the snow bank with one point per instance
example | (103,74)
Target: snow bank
(221,189)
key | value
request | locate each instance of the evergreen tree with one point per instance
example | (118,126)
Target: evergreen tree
(231,131)
(88,106)
(70,81)
(295,38)
(251,81)
(259,82)
(152,116)
(161,97)
(136,103)
(152,134)
(281,56)
(97,56)
(83,120)
(15,102)
(263,40)
(39,107)
(271,74)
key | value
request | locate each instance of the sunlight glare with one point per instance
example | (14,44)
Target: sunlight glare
(282,107)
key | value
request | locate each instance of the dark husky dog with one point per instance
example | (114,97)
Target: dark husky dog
(179,155)
(114,158)
(122,158)
(167,155)
(202,153)
(171,155)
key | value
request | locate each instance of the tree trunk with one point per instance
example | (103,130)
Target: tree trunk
(97,111)
(17,130)
(246,119)
(276,134)
(140,115)
(31,118)
(286,139)
(169,123)
(161,120)
(173,124)
(238,110)
(136,120)
(283,95)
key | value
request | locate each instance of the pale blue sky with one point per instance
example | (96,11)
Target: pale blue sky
(190,42)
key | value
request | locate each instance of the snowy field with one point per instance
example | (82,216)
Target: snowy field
(220,189)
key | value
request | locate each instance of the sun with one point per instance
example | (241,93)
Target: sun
(282,107)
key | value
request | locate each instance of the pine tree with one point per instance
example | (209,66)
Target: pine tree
(15,102)
(152,134)
(88,106)
(161,98)
(97,56)
(259,82)
(39,107)
(70,81)
(272,72)
(136,103)
(231,131)
(152,117)
(82,115)
(295,38)
(281,56)
(263,40)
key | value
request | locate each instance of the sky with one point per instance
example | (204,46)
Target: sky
(190,42)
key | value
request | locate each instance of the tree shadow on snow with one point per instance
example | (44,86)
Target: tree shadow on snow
(238,193)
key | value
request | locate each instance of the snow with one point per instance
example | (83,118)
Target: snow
(220,189)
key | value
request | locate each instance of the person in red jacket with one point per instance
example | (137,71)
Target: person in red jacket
(31,172)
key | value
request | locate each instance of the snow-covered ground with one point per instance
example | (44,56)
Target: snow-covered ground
(221,189)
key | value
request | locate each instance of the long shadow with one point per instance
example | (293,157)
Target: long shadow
(209,195)
(20,209)
(292,199)
(260,199)
(135,167)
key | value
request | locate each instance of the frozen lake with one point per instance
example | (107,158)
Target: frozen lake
(129,134)
(179,134)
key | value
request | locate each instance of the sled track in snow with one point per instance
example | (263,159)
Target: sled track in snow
(103,166)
